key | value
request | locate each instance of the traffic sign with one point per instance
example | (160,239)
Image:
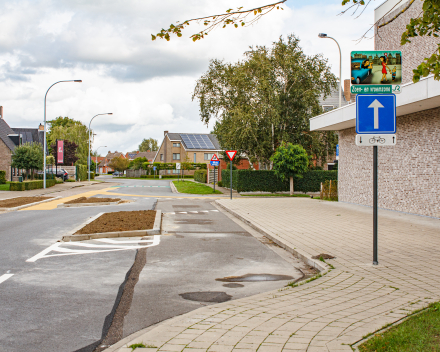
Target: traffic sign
(231,154)
(215,162)
(376,89)
(376,114)
(369,140)
(154,168)
(215,158)
(177,166)
(337,151)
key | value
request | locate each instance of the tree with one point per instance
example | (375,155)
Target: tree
(426,24)
(28,156)
(119,164)
(149,144)
(290,161)
(70,152)
(73,131)
(50,160)
(267,99)
(137,163)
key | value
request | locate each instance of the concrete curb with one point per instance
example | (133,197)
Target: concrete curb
(27,205)
(173,188)
(156,230)
(79,205)
(305,257)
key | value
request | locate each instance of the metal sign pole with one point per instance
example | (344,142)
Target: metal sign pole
(231,178)
(375,260)
(56,159)
(214,178)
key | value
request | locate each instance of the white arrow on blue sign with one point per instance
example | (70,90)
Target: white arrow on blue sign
(215,162)
(376,113)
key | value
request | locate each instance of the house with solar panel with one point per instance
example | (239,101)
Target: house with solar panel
(187,147)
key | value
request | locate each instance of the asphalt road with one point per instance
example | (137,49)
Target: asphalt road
(78,297)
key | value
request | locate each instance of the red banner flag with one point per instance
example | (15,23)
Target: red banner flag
(60,152)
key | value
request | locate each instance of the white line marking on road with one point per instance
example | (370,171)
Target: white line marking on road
(182,212)
(215,211)
(96,248)
(204,211)
(4,277)
(194,212)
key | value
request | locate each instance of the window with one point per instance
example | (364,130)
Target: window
(177,145)
(176,156)
(161,157)
(208,156)
(176,171)
(195,158)
(327,108)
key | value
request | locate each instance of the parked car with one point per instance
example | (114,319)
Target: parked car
(60,173)
(117,173)
(358,71)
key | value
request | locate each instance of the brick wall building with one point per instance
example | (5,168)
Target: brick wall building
(408,173)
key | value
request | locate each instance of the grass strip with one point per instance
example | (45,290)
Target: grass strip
(275,195)
(194,188)
(5,186)
(420,332)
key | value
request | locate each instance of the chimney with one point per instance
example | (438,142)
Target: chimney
(41,127)
(347,92)
(1,112)
(165,133)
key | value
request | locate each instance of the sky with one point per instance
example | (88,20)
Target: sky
(146,84)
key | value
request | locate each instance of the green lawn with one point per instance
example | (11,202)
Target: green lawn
(194,188)
(275,195)
(4,187)
(418,333)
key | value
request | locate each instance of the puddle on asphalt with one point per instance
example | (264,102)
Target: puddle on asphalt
(255,277)
(210,297)
(233,285)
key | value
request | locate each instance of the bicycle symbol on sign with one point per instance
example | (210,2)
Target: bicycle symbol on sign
(375,140)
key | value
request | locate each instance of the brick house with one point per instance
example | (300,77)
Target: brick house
(103,167)
(409,173)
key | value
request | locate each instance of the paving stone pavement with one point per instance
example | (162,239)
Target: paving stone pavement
(329,313)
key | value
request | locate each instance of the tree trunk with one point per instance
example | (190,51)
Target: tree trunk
(291,186)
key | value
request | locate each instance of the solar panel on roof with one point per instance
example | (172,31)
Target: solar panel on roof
(197,141)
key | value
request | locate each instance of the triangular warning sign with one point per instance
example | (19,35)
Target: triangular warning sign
(231,154)
(214,158)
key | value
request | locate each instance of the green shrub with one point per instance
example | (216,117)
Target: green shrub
(165,176)
(70,180)
(267,181)
(110,172)
(29,185)
(92,175)
(200,176)
(96,174)
(2,177)
(220,183)
(81,172)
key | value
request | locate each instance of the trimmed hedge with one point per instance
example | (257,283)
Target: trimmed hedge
(28,185)
(200,176)
(2,177)
(267,181)
(81,173)
(163,176)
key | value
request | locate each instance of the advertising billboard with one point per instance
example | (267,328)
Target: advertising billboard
(60,152)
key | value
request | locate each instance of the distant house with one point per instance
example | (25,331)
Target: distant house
(13,137)
(137,154)
(103,167)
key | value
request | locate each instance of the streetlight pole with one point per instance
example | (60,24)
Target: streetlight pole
(44,133)
(96,158)
(323,35)
(90,132)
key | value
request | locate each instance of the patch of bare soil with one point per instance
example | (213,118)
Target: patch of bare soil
(16,202)
(324,256)
(121,221)
(82,200)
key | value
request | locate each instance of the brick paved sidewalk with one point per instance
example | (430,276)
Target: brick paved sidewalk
(332,312)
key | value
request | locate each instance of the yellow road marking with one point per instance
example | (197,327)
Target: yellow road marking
(54,204)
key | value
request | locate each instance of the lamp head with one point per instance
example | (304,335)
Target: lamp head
(322,35)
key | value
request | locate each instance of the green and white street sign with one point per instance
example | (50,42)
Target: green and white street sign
(375,89)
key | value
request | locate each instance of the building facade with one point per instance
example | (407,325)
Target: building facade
(408,173)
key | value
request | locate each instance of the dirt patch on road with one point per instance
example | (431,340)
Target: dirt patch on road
(84,200)
(16,202)
(121,221)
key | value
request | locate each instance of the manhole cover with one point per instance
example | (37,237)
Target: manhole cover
(213,297)
(233,285)
(255,277)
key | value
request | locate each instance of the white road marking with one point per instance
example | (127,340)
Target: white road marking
(182,212)
(204,211)
(62,247)
(4,277)
(194,212)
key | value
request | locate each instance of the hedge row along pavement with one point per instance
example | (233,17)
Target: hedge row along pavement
(200,176)
(28,185)
(267,181)
(164,176)
(2,177)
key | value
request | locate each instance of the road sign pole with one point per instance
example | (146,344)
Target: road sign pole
(231,178)
(375,261)
(214,179)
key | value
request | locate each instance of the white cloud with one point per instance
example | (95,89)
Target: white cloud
(147,85)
